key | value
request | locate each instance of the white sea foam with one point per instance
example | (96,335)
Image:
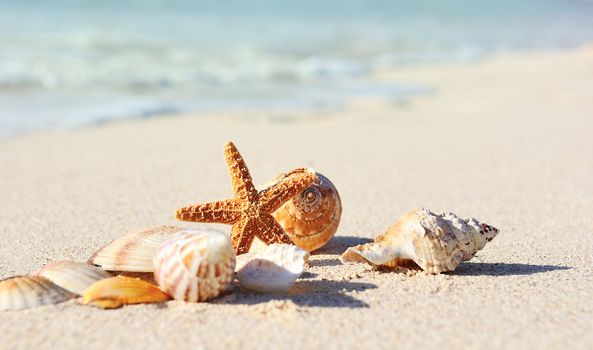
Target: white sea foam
(67,63)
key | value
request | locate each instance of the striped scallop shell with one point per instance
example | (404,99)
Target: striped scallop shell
(25,292)
(134,251)
(436,243)
(195,265)
(73,276)
(312,217)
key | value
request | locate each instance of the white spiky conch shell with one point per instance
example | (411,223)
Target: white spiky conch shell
(436,243)
(312,217)
(25,292)
(274,269)
(195,265)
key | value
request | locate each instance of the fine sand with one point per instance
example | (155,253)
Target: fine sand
(508,140)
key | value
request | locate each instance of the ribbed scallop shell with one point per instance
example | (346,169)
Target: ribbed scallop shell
(436,243)
(114,292)
(195,265)
(312,217)
(134,251)
(25,292)
(73,276)
(272,270)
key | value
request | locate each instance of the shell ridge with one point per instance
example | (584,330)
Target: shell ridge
(24,292)
(133,252)
(186,265)
(318,232)
(29,299)
(312,217)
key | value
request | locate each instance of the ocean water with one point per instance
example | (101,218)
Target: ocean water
(66,63)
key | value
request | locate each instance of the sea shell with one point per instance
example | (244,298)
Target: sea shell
(134,251)
(73,276)
(436,243)
(274,269)
(195,265)
(25,292)
(311,218)
(117,291)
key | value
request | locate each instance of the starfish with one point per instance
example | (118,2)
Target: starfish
(250,211)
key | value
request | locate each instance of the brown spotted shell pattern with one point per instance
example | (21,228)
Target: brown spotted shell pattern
(312,217)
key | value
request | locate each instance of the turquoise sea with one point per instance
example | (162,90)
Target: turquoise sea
(66,63)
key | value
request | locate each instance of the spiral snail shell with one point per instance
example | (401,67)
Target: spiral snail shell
(311,218)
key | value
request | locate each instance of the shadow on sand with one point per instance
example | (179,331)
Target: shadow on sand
(324,262)
(336,247)
(313,293)
(503,269)
(339,244)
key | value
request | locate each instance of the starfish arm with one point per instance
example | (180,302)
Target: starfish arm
(243,187)
(242,235)
(276,195)
(269,231)
(223,212)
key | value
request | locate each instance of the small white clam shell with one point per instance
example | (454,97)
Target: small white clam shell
(73,276)
(436,243)
(272,270)
(25,292)
(195,265)
(134,251)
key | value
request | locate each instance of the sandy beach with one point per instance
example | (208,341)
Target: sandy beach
(506,140)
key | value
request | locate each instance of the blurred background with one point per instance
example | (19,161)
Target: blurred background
(67,63)
(482,108)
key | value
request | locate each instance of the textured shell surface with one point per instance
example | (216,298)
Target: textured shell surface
(134,251)
(114,292)
(312,217)
(436,243)
(73,276)
(273,270)
(195,265)
(25,292)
